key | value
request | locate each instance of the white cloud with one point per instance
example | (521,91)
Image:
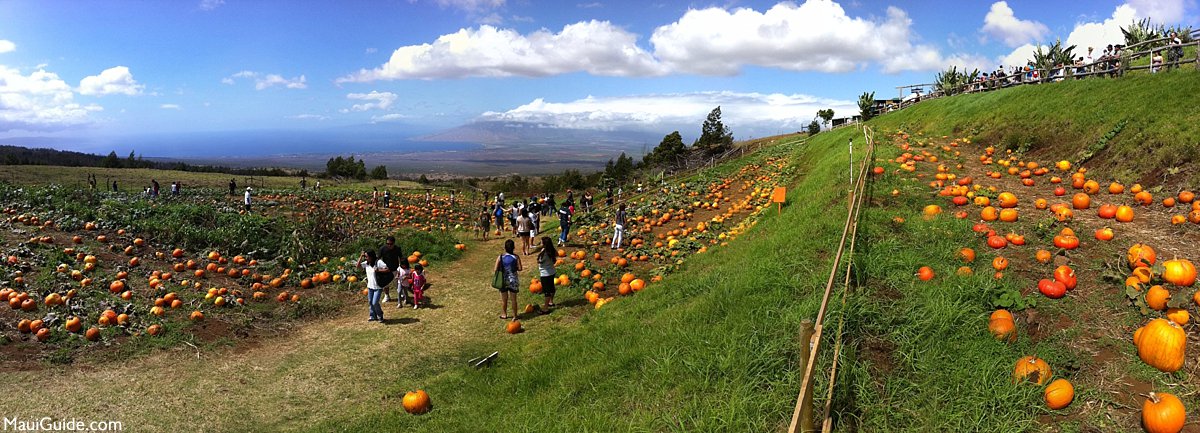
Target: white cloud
(376,101)
(209,5)
(597,47)
(170,107)
(371,50)
(388,118)
(591,5)
(1084,35)
(471,5)
(492,19)
(1160,11)
(39,101)
(7,46)
(815,36)
(1000,22)
(265,81)
(746,113)
(309,117)
(116,80)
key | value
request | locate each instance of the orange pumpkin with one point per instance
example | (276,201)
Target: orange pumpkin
(1141,255)
(513,327)
(1002,326)
(1032,369)
(1124,214)
(1059,394)
(967,255)
(1081,201)
(1163,413)
(1157,297)
(1179,272)
(416,403)
(1161,344)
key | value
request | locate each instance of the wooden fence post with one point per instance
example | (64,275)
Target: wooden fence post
(802,421)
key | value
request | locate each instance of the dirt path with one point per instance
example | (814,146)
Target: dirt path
(318,371)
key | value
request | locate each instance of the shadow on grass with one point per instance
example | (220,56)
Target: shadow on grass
(401,321)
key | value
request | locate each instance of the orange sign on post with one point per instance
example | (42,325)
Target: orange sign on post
(779,196)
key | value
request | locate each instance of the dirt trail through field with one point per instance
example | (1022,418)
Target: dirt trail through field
(314,373)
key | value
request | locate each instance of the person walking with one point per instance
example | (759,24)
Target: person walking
(374,268)
(498,212)
(564,222)
(247,200)
(546,259)
(485,221)
(153,188)
(513,213)
(524,227)
(509,265)
(535,216)
(618,228)
(115,186)
(420,285)
(404,281)
(232,186)
(390,254)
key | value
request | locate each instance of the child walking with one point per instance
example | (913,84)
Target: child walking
(419,285)
(404,279)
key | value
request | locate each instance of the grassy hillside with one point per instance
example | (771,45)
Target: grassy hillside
(713,347)
(1152,119)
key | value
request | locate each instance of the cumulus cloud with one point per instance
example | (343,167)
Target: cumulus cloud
(209,5)
(749,113)
(815,36)
(1160,11)
(170,107)
(1001,23)
(116,80)
(39,101)
(597,47)
(375,101)
(265,81)
(1084,35)
(7,46)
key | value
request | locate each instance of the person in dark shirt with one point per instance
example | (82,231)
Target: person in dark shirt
(564,222)
(390,254)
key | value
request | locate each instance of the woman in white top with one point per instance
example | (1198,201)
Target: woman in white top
(372,265)
(247,201)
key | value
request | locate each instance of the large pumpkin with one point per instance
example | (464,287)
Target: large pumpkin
(513,327)
(1059,394)
(416,402)
(1163,413)
(1161,344)
(1033,369)
(1179,272)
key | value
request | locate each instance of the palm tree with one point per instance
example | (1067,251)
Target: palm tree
(1055,56)
(866,105)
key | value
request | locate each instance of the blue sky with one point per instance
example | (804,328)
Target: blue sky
(121,68)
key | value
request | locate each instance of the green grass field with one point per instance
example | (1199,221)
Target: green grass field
(714,346)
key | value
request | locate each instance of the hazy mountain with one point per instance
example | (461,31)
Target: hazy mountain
(518,133)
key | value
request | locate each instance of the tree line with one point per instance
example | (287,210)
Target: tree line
(17,155)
